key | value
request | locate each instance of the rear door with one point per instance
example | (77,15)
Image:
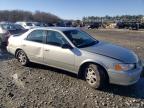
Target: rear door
(33,45)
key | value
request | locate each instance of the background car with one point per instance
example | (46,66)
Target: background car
(122,25)
(94,26)
(50,25)
(26,25)
(129,25)
(4,35)
(39,24)
(13,28)
(7,29)
(141,26)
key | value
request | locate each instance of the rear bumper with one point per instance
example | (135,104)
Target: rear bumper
(11,50)
(125,78)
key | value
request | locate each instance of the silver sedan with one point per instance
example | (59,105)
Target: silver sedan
(74,50)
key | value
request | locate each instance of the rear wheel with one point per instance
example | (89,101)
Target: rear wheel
(96,76)
(22,57)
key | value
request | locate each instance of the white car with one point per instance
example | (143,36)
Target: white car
(76,51)
(26,25)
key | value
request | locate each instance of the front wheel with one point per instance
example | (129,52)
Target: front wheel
(22,58)
(96,76)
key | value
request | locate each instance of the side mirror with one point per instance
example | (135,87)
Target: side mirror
(67,46)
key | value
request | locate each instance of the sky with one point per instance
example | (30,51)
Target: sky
(76,9)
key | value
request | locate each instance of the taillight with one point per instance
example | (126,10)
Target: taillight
(6,37)
(7,34)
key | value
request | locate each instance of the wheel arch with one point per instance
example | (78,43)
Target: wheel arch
(18,49)
(82,66)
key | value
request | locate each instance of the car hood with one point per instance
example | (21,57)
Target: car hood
(113,51)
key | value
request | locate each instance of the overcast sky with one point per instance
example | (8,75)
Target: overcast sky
(76,9)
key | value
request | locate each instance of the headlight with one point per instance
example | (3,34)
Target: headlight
(123,67)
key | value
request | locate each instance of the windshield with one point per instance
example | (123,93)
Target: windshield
(79,38)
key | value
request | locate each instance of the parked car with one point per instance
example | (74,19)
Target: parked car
(50,25)
(134,26)
(39,24)
(128,25)
(26,25)
(122,25)
(94,25)
(4,35)
(76,51)
(141,26)
(7,29)
(43,25)
(60,24)
(13,28)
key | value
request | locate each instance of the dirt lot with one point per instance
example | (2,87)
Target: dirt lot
(39,86)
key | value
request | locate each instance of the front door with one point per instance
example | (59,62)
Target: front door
(55,55)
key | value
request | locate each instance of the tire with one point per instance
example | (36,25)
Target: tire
(96,76)
(22,57)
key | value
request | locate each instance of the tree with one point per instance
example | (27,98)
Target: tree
(20,15)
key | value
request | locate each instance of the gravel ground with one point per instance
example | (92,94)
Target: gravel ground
(39,86)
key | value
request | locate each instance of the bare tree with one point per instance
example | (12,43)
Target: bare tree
(20,15)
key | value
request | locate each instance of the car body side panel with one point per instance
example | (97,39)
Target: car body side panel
(33,50)
(85,56)
(59,57)
(14,44)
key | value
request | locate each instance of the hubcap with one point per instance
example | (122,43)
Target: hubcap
(22,58)
(91,76)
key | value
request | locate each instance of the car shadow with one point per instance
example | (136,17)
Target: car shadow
(44,67)
(133,91)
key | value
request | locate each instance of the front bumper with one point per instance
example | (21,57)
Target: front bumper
(125,78)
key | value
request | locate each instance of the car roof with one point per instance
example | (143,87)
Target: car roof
(55,28)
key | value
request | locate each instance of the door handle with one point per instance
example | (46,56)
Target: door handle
(24,45)
(47,50)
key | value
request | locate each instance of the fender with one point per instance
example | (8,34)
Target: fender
(92,61)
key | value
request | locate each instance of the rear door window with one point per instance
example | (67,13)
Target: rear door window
(36,36)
